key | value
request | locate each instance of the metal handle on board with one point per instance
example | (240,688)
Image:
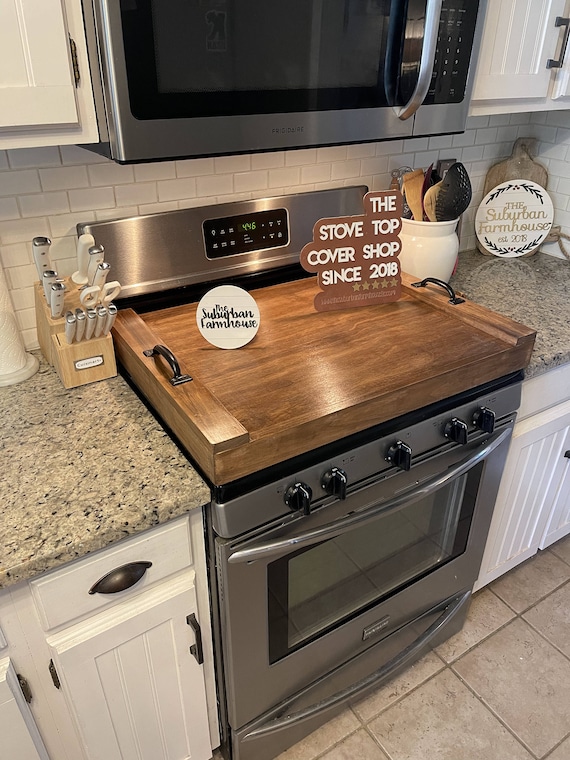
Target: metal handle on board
(177,377)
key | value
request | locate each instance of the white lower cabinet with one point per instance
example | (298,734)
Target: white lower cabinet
(135,689)
(19,735)
(117,674)
(533,504)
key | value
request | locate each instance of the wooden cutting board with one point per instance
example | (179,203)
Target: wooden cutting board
(310,378)
(520,165)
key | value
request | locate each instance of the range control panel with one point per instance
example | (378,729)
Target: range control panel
(232,235)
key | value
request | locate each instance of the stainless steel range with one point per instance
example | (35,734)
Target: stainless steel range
(337,559)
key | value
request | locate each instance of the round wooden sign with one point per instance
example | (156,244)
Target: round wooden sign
(514,218)
(228,317)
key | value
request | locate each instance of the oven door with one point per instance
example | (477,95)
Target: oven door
(303,601)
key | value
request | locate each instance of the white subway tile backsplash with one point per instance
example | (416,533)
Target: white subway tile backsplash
(27,158)
(44,204)
(110,173)
(9,209)
(176,189)
(64,178)
(47,191)
(18,182)
(92,198)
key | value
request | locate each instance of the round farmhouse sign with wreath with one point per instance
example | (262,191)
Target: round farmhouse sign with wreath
(514,218)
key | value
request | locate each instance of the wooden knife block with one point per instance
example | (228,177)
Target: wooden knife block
(76,363)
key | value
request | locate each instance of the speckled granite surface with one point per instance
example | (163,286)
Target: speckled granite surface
(82,468)
(85,467)
(534,290)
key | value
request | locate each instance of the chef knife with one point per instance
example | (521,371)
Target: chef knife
(57,297)
(69,326)
(110,320)
(101,320)
(96,257)
(84,243)
(91,322)
(49,276)
(40,250)
(80,320)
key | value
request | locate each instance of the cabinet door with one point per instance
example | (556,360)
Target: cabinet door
(19,736)
(519,37)
(529,493)
(36,80)
(559,521)
(134,687)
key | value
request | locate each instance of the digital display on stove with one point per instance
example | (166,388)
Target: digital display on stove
(233,235)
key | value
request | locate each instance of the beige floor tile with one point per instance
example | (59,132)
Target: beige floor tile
(358,746)
(562,549)
(323,738)
(525,681)
(443,720)
(486,614)
(562,752)
(530,582)
(413,676)
(552,618)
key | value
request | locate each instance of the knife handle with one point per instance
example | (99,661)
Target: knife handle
(40,250)
(96,257)
(49,276)
(57,297)
(80,324)
(69,326)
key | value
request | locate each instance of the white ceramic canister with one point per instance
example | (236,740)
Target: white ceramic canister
(429,249)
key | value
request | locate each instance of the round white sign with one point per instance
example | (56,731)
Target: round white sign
(228,317)
(514,218)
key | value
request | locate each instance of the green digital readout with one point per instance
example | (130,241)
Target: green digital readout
(247,226)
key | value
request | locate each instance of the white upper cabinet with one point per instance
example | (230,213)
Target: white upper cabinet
(522,63)
(42,101)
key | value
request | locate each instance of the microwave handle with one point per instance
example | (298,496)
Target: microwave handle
(283,716)
(331,530)
(431,32)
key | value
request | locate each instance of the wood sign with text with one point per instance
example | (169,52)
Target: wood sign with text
(356,257)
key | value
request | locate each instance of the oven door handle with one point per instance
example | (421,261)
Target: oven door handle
(358,519)
(283,715)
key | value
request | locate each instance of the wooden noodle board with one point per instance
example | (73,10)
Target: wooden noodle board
(310,378)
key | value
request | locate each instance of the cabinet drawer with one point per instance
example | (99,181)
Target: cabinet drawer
(63,595)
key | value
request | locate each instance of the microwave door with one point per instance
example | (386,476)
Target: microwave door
(410,53)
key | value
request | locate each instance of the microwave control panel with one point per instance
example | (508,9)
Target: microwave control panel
(232,235)
(453,52)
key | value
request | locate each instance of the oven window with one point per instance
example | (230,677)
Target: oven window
(314,589)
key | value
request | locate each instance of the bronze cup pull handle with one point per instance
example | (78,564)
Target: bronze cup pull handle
(177,377)
(121,578)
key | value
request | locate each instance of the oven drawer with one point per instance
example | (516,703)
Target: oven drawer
(64,595)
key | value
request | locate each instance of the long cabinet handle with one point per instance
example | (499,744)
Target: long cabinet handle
(556,63)
(196,649)
(431,31)
(121,578)
(358,519)
(282,716)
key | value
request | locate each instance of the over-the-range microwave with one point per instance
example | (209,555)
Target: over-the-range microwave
(189,78)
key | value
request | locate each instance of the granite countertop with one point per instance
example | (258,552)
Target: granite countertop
(81,469)
(533,290)
(85,467)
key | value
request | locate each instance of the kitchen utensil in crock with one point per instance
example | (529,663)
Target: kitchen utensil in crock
(454,193)
(430,200)
(412,184)
(425,187)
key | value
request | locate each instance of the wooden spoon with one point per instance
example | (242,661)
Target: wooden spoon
(430,200)
(412,184)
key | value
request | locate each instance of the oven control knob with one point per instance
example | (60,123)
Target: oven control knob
(298,497)
(334,482)
(484,419)
(400,455)
(456,430)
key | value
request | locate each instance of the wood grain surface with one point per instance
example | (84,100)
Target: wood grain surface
(309,378)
